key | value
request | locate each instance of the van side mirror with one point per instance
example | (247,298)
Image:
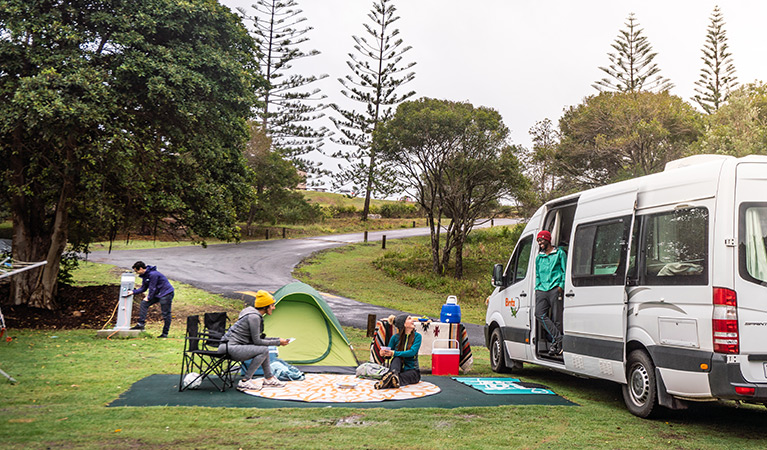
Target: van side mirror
(498,275)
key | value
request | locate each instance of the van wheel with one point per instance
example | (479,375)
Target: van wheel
(497,354)
(640,393)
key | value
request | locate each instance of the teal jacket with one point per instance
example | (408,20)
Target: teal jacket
(410,356)
(550,270)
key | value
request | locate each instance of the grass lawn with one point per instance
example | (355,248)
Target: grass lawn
(66,379)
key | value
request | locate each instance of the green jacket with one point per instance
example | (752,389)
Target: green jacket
(550,270)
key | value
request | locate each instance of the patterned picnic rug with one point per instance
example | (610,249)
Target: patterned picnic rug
(330,388)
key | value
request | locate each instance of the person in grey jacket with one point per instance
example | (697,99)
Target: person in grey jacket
(246,340)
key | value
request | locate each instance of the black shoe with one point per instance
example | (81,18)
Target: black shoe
(163,336)
(556,348)
(137,327)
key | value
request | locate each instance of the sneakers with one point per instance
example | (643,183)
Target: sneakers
(273,382)
(388,381)
(137,327)
(162,336)
(250,385)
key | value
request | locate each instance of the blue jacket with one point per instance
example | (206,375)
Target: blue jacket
(154,283)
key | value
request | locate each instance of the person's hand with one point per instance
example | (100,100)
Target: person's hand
(284,341)
(128,293)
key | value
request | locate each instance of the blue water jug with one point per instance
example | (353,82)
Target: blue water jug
(451,311)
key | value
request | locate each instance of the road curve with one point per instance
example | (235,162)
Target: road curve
(226,268)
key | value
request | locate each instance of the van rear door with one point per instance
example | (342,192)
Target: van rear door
(751,279)
(595,284)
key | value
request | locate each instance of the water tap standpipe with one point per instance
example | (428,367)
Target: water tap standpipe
(125,307)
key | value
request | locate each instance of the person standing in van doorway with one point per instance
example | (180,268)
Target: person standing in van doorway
(158,290)
(549,285)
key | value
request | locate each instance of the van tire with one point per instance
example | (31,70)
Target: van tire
(641,391)
(497,354)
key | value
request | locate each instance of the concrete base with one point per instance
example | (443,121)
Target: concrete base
(117,333)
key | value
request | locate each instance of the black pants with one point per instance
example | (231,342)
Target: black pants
(165,305)
(411,376)
(546,301)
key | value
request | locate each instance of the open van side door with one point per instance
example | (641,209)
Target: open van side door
(595,283)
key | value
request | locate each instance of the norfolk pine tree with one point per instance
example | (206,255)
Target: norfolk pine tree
(631,66)
(377,72)
(717,77)
(287,105)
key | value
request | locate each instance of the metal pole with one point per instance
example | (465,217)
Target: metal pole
(383,242)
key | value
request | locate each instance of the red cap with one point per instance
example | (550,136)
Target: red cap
(545,235)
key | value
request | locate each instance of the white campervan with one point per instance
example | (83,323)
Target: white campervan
(665,287)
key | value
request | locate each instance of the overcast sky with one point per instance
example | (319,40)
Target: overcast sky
(527,59)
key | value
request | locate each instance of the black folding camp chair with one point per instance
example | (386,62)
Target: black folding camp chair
(215,326)
(201,357)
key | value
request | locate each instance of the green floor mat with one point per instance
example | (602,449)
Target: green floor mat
(162,390)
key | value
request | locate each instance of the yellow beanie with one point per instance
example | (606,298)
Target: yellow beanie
(263,299)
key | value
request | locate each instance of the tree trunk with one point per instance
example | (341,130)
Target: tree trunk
(37,287)
(434,232)
(460,238)
(369,187)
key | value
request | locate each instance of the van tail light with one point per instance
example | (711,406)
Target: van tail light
(725,321)
(745,390)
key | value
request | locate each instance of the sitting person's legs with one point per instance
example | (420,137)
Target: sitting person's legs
(406,377)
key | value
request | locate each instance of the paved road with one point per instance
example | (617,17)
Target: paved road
(227,268)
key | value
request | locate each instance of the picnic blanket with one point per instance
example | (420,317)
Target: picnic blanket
(430,331)
(331,388)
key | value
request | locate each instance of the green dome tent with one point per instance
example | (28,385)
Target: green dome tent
(321,344)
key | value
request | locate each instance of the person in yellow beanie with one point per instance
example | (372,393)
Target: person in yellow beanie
(246,340)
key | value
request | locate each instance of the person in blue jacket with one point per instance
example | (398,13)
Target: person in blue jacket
(403,349)
(158,290)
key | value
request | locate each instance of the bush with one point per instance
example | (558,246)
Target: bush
(336,211)
(399,210)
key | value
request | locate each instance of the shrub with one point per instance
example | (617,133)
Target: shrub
(399,210)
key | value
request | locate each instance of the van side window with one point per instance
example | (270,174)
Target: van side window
(675,248)
(599,252)
(520,261)
(752,248)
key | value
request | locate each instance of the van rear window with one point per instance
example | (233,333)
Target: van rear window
(752,251)
(675,248)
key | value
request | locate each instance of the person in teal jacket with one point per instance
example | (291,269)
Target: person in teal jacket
(549,285)
(403,349)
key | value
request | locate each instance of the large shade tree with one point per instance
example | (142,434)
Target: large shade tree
(456,162)
(378,73)
(739,127)
(614,136)
(115,112)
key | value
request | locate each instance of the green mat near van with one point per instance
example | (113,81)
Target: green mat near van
(162,390)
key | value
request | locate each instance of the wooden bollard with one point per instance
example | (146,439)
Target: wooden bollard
(366,236)
(371,325)
(267,234)
(284,232)
(383,242)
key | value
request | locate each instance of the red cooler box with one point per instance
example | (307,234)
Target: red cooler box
(444,360)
